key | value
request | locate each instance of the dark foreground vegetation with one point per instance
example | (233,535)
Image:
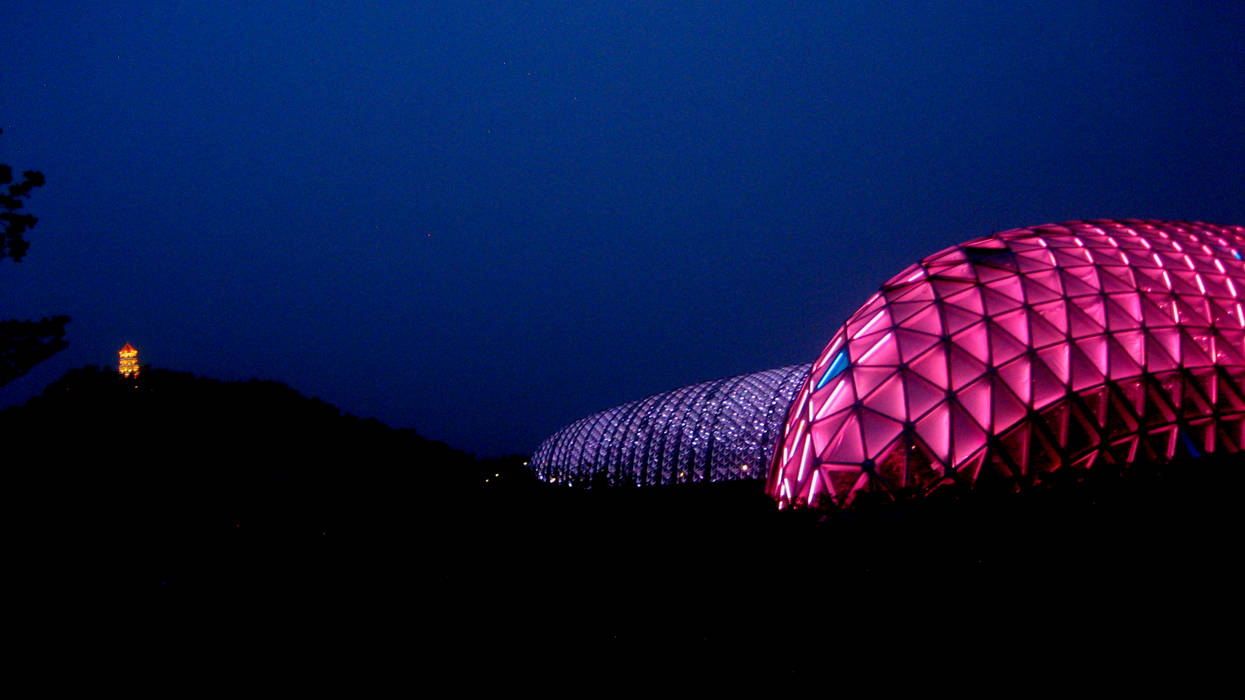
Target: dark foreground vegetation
(189,482)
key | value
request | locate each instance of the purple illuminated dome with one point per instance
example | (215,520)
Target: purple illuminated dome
(1085,343)
(715,431)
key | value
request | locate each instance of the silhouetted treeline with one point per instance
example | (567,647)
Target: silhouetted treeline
(187,476)
(206,483)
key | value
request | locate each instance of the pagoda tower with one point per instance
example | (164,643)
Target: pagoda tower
(128,366)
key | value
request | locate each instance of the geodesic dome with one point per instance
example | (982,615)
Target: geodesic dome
(715,431)
(1081,343)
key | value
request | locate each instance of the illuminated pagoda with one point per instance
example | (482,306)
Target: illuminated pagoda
(1081,344)
(128,366)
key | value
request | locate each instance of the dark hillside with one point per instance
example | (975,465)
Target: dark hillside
(197,482)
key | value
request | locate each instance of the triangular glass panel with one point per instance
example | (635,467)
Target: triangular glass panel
(1016,375)
(946,288)
(824,431)
(935,430)
(913,343)
(1116,279)
(1122,364)
(1016,323)
(1187,282)
(1074,287)
(925,320)
(1229,348)
(1216,286)
(1015,443)
(840,393)
(891,466)
(969,300)
(997,303)
(964,368)
(1055,313)
(1036,260)
(975,398)
(1134,392)
(1124,451)
(1161,402)
(867,379)
(846,446)
(1056,359)
(1087,275)
(959,319)
(963,271)
(970,469)
(884,352)
(1008,286)
(863,325)
(1156,316)
(1085,462)
(946,257)
(932,366)
(1046,386)
(1195,405)
(1003,347)
(923,468)
(1123,312)
(1151,280)
(1082,323)
(916,291)
(1230,396)
(1082,433)
(1157,357)
(1193,350)
(841,480)
(1043,333)
(1070,257)
(1194,310)
(1037,293)
(1169,338)
(1043,455)
(888,399)
(988,273)
(857,347)
(1223,314)
(921,394)
(1164,440)
(1056,420)
(1120,418)
(1095,348)
(1208,383)
(903,310)
(975,341)
(1096,402)
(1092,307)
(968,436)
(1007,410)
(878,431)
(1049,280)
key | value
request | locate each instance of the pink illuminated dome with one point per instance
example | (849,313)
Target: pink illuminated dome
(1080,344)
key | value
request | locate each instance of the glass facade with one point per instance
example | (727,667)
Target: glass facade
(715,431)
(1084,343)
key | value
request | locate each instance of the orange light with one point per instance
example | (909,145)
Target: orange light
(128,366)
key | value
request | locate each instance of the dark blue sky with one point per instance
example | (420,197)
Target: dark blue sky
(485,220)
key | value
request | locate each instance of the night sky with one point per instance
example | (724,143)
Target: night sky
(485,220)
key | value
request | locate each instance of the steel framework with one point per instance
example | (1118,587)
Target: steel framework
(1083,343)
(716,431)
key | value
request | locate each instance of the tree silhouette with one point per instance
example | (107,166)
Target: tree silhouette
(23,344)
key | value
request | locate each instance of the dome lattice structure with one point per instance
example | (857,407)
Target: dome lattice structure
(714,431)
(1084,343)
